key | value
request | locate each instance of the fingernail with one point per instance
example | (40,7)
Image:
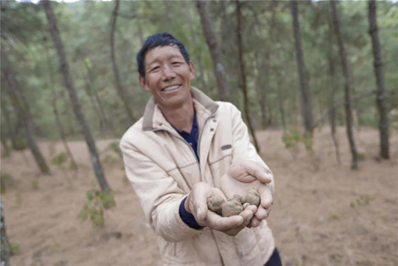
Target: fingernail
(268,176)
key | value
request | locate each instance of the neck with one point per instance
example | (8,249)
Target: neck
(180,117)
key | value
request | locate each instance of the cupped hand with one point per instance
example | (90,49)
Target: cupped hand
(196,204)
(248,174)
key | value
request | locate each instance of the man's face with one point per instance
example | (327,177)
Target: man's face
(168,77)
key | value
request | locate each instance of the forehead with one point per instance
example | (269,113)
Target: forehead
(162,53)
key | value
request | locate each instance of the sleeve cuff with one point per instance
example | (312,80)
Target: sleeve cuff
(187,217)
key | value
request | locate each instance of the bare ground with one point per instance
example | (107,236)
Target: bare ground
(324,213)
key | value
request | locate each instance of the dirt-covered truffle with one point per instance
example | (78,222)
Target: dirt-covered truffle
(252,197)
(237,198)
(232,207)
(215,203)
(235,205)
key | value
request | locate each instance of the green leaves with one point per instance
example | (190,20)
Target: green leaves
(98,203)
(60,159)
(293,138)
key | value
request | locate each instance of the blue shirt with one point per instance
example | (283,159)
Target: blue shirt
(192,139)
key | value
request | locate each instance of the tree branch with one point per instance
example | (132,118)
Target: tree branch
(340,102)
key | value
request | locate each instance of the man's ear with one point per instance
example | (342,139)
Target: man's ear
(192,70)
(143,83)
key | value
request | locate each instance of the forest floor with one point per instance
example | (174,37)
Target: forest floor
(324,213)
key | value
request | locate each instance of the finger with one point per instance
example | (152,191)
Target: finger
(252,208)
(258,172)
(255,222)
(266,197)
(268,211)
(219,223)
(261,213)
(199,202)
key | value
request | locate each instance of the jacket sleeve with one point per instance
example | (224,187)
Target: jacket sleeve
(158,193)
(243,149)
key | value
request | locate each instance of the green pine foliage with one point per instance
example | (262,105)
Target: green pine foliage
(268,53)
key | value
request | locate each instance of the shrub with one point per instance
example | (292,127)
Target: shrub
(292,139)
(60,159)
(98,202)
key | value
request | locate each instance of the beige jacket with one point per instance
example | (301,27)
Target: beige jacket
(162,168)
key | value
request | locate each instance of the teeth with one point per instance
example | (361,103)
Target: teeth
(171,88)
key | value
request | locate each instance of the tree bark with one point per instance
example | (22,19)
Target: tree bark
(88,89)
(56,113)
(305,92)
(280,102)
(93,90)
(5,248)
(211,40)
(21,105)
(10,132)
(69,85)
(262,86)
(243,75)
(347,86)
(332,117)
(194,39)
(378,68)
(119,88)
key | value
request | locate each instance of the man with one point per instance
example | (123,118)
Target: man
(183,150)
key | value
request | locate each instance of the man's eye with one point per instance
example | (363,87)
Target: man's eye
(176,63)
(155,69)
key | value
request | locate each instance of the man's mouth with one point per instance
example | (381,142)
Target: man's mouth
(171,88)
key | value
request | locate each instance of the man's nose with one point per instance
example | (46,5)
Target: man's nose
(168,73)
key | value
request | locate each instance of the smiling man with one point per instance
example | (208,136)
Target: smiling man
(185,149)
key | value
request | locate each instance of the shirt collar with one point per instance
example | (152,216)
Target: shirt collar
(151,109)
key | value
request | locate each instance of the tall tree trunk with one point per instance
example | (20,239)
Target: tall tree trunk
(56,113)
(280,102)
(88,90)
(261,87)
(306,105)
(378,66)
(68,82)
(211,40)
(347,85)
(10,132)
(21,105)
(243,75)
(332,88)
(5,248)
(93,90)
(119,88)
(194,38)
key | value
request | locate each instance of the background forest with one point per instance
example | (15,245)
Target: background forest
(284,64)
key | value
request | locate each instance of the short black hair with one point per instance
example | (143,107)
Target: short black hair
(156,40)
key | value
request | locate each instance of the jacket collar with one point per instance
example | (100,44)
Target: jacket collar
(152,110)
